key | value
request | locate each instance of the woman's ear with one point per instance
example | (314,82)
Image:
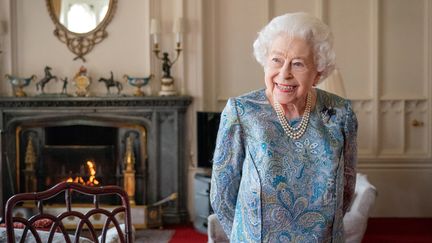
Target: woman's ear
(317,79)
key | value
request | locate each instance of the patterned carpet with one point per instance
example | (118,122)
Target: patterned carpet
(153,236)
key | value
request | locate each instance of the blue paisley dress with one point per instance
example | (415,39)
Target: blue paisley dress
(266,187)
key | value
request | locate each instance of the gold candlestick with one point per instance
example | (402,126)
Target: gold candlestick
(30,161)
(129,170)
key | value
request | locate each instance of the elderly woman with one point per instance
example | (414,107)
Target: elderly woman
(284,163)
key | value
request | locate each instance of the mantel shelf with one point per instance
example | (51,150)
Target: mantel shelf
(42,101)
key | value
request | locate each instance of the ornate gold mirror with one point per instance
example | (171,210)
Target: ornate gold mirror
(81,24)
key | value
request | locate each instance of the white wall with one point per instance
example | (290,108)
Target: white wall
(383,52)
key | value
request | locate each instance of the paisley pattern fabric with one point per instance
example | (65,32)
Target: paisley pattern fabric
(266,187)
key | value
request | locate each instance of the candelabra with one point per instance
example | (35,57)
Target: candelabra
(167,81)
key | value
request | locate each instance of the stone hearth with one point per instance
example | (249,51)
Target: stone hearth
(156,123)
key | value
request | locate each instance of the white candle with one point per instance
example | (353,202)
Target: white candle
(155,39)
(178,29)
(178,25)
(154,26)
(154,30)
(178,38)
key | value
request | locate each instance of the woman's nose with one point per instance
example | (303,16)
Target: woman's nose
(285,71)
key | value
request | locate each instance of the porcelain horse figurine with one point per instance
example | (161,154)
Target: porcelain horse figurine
(112,83)
(19,83)
(48,76)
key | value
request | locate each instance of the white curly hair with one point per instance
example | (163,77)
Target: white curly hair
(301,25)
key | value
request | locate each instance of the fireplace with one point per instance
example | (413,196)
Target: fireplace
(136,143)
(88,154)
(94,154)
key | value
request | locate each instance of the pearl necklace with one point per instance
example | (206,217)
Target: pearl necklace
(298,131)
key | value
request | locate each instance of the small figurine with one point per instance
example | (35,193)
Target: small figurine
(19,83)
(138,82)
(64,88)
(167,81)
(82,82)
(48,76)
(166,65)
(112,83)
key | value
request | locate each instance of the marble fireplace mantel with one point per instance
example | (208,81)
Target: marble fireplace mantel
(162,117)
(180,102)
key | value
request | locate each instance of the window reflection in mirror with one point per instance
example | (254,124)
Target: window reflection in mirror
(80,16)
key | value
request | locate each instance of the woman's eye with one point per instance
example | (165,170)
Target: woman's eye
(298,64)
(276,60)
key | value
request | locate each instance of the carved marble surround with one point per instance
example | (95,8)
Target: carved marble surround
(163,118)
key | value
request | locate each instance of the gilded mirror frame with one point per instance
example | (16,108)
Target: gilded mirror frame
(82,43)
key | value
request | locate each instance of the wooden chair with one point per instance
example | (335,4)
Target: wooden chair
(57,226)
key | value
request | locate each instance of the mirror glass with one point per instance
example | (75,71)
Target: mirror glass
(81,24)
(80,16)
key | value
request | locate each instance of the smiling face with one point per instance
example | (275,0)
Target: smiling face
(290,71)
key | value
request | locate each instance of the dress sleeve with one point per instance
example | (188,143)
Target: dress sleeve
(350,157)
(227,166)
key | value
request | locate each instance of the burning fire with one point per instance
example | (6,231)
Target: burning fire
(92,181)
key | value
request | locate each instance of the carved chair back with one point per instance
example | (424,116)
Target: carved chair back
(84,221)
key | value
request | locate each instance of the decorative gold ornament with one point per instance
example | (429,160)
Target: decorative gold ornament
(82,82)
(129,170)
(30,161)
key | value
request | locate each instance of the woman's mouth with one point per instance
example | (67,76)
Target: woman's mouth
(286,88)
